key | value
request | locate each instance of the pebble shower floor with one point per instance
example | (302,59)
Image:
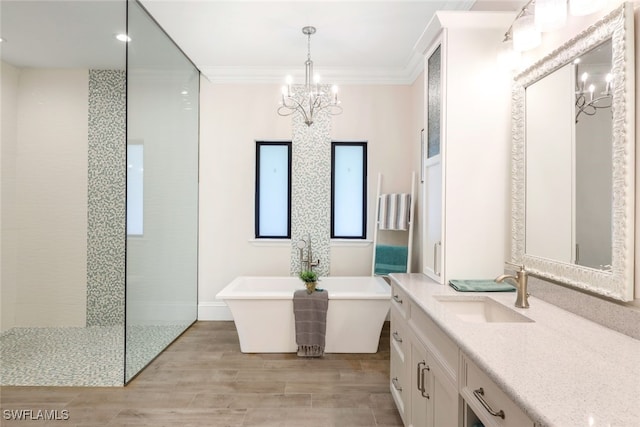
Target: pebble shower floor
(91,356)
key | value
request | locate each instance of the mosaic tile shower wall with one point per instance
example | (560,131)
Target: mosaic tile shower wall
(106,198)
(311,187)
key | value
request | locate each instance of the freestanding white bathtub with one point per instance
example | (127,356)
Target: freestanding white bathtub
(262,308)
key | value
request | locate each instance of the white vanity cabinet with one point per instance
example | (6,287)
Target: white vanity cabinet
(423,373)
(467,141)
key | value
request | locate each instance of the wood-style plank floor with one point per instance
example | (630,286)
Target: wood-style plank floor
(203,379)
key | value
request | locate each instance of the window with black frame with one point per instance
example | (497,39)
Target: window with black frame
(273,190)
(348,190)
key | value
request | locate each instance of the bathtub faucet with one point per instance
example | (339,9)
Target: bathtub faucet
(308,261)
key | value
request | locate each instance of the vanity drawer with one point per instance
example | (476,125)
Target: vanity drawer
(482,395)
(399,341)
(400,301)
(445,350)
(399,363)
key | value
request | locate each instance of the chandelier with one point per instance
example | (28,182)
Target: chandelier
(310,99)
(587,101)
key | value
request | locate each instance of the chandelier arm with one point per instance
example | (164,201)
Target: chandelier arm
(285,114)
(298,107)
(591,108)
(338,109)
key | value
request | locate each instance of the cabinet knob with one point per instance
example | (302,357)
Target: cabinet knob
(397,299)
(396,336)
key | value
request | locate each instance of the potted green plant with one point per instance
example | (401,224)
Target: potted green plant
(309,277)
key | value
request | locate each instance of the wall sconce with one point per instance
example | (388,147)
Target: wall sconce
(550,14)
(585,7)
(526,35)
(539,16)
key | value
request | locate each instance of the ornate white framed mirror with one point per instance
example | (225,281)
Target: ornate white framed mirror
(573,161)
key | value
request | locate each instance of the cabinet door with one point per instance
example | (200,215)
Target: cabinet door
(433,259)
(434,395)
(444,400)
(419,393)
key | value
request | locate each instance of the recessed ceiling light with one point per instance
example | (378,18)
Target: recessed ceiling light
(123,37)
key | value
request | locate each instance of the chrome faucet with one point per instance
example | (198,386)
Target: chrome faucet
(520,281)
(308,261)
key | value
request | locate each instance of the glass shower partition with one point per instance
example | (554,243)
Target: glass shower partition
(162,191)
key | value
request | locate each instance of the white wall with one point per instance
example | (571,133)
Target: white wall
(50,203)
(8,123)
(233,116)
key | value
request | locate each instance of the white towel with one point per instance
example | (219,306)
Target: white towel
(393,211)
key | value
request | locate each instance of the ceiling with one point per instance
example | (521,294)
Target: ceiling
(357,41)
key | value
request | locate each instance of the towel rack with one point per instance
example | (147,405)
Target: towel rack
(393,252)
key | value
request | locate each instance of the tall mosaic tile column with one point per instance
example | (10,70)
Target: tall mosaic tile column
(311,187)
(106,198)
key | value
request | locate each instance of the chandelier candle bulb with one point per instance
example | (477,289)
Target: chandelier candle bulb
(608,80)
(583,79)
(592,89)
(289,80)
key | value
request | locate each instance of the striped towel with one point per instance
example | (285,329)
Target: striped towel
(393,212)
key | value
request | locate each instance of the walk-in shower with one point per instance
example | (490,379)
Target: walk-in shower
(99,192)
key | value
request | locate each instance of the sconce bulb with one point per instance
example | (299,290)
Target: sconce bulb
(585,7)
(576,61)
(550,14)
(592,88)
(334,89)
(316,79)
(608,78)
(584,77)
(289,80)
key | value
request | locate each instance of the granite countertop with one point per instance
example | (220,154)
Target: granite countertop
(561,369)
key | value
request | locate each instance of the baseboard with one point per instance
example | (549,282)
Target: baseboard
(213,310)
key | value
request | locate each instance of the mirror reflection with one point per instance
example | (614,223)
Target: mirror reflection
(569,135)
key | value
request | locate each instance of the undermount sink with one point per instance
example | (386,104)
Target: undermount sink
(481,310)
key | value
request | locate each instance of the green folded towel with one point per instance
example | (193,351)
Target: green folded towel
(390,259)
(480,286)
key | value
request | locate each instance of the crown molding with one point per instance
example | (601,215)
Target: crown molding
(338,75)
